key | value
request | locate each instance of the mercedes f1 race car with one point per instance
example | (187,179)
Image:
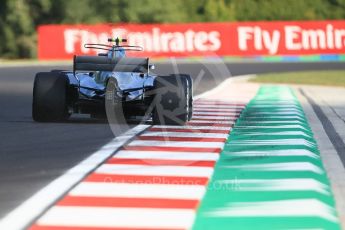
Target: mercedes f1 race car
(114,85)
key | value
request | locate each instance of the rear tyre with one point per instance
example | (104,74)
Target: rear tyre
(50,97)
(190,93)
(171,100)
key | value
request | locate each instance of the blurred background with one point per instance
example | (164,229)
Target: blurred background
(19,19)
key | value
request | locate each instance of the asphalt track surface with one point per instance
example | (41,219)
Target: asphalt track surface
(33,154)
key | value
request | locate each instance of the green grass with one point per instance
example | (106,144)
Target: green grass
(325,78)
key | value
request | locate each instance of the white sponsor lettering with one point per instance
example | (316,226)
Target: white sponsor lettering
(152,41)
(250,39)
(339,36)
(292,38)
(71,38)
(244,34)
(263,39)
(314,39)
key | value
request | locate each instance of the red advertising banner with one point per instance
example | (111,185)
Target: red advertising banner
(199,39)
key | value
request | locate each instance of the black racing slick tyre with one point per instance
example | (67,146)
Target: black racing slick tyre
(49,101)
(171,100)
(190,94)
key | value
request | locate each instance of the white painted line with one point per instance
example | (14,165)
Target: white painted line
(330,158)
(184,134)
(214,122)
(118,217)
(278,113)
(192,127)
(290,184)
(283,133)
(195,144)
(216,110)
(216,113)
(217,106)
(277,153)
(276,117)
(280,208)
(232,107)
(280,127)
(270,102)
(249,121)
(222,102)
(218,101)
(274,167)
(34,206)
(215,117)
(294,141)
(139,190)
(155,170)
(277,106)
(167,155)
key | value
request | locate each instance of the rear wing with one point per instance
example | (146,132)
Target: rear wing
(102,63)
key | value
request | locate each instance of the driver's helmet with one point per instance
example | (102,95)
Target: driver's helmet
(119,53)
(102,76)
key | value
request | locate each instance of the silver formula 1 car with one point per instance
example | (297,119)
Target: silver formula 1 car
(114,85)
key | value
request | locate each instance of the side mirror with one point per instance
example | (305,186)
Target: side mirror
(152,67)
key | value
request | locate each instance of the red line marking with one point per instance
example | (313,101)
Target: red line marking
(167,138)
(140,179)
(123,202)
(160,162)
(54,227)
(172,149)
(189,130)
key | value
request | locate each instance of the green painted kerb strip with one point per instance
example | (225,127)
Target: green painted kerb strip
(269,175)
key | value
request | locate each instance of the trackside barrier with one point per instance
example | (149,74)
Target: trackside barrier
(271,41)
(269,175)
